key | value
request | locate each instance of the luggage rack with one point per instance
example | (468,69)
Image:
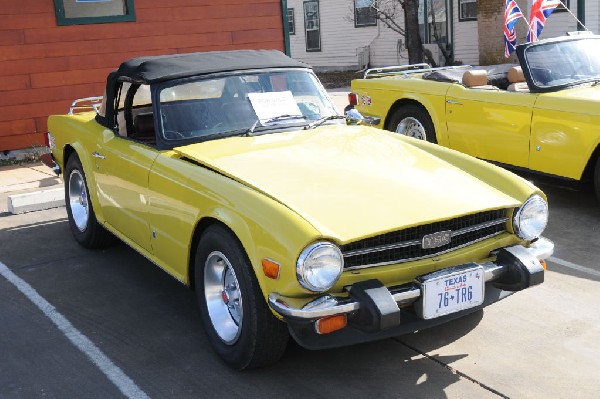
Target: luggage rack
(405,70)
(86,104)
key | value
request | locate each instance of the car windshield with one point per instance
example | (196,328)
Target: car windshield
(564,63)
(204,108)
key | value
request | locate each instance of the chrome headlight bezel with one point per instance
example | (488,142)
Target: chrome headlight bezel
(530,220)
(319,275)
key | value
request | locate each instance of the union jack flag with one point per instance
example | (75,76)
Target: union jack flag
(540,11)
(512,13)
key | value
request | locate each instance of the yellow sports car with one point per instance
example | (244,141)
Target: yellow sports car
(541,116)
(233,172)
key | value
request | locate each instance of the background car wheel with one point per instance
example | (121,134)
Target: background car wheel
(236,318)
(82,220)
(413,121)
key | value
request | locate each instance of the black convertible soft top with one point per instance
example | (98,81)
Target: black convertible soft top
(148,70)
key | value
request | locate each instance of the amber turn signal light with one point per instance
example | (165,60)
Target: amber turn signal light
(543,263)
(270,268)
(330,324)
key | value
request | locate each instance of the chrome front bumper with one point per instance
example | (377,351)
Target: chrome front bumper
(515,268)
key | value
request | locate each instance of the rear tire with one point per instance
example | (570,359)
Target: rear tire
(238,323)
(413,121)
(82,219)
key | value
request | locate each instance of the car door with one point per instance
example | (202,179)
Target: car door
(490,124)
(121,172)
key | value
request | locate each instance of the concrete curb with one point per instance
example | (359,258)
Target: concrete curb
(36,201)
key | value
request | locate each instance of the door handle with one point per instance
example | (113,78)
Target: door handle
(454,102)
(98,155)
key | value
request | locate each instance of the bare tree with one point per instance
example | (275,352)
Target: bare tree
(390,12)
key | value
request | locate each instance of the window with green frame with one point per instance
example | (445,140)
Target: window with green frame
(81,12)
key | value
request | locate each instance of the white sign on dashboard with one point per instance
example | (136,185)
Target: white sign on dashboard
(270,106)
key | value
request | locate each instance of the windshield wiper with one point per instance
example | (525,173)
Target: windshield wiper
(283,118)
(250,130)
(320,121)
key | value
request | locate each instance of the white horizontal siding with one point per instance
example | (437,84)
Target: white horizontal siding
(339,38)
(592,16)
(389,48)
(466,39)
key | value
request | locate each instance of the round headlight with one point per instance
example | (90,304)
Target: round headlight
(530,220)
(319,266)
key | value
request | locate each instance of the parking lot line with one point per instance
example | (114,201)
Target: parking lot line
(83,343)
(574,266)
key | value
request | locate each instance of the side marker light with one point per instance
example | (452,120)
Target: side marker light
(271,268)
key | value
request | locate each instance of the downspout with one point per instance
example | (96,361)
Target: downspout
(581,14)
(286,30)
(450,26)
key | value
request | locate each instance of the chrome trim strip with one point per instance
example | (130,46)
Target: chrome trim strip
(480,226)
(418,242)
(327,305)
(393,262)
(381,248)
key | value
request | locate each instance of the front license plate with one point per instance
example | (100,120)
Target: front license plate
(452,292)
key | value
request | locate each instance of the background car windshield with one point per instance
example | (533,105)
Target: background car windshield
(211,106)
(564,62)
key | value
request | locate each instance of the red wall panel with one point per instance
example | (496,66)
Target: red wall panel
(44,67)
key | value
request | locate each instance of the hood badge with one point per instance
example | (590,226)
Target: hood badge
(436,240)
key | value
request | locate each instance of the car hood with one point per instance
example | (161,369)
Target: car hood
(350,182)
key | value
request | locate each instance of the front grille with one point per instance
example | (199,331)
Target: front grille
(405,245)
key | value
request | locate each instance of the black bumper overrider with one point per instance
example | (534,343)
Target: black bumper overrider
(375,312)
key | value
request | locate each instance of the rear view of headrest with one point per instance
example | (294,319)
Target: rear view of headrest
(475,77)
(515,75)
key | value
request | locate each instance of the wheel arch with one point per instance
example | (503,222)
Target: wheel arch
(75,148)
(588,171)
(200,228)
(398,104)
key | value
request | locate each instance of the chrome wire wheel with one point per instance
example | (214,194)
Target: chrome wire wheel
(78,200)
(223,297)
(411,127)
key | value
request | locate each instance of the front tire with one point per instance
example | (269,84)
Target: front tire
(237,321)
(82,219)
(413,121)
